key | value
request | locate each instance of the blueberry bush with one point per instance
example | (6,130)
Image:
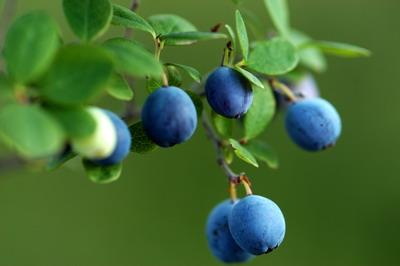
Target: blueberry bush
(48,90)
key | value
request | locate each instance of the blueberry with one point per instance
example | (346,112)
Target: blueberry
(304,88)
(124,141)
(257,225)
(169,116)
(220,240)
(102,143)
(228,92)
(313,124)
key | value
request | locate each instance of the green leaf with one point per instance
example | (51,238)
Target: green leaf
(263,152)
(229,155)
(102,174)
(242,153)
(129,19)
(192,72)
(222,125)
(174,79)
(120,89)
(260,113)
(88,19)
(310,57)
(76,121)
(174,76)
(7,93)
(166,23)
(133,59)
(250,77)
(242,35)
(186,38)
(141,143)
(340,49)
(59,160)
(30,130)
(78,74)
(232,36)
(275,57)
(279,13)
(197,101)
(153,84)
(30,46)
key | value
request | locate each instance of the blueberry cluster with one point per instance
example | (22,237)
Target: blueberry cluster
(239,230)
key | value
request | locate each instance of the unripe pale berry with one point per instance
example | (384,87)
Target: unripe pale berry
(124,141)
(102,142)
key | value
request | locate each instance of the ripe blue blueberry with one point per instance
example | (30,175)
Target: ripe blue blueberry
(219,238)
(228,92)
(257,225)
(169,116)
(124,141)
(313,124)
(304,88)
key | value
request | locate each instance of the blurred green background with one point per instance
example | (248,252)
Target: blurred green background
(342,206)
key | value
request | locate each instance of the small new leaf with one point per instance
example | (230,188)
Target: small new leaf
(279,13)
(102,174)
(119,88)
(88,19)
(222,125)
(141,143)
(250,77)
(192,72)
(232,36)
(57,161)
(242,35)
(30,46)
(242,153)
(340,49)
(275,57)
(260,113)
(263,152)
(129,19)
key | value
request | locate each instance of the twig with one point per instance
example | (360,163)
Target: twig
(9,10)
(233,178)
(218,145)
(134,6)
(8,164)
(132,112)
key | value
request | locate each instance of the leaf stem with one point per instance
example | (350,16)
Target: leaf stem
(227,58)
(159,46)
(279,86)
